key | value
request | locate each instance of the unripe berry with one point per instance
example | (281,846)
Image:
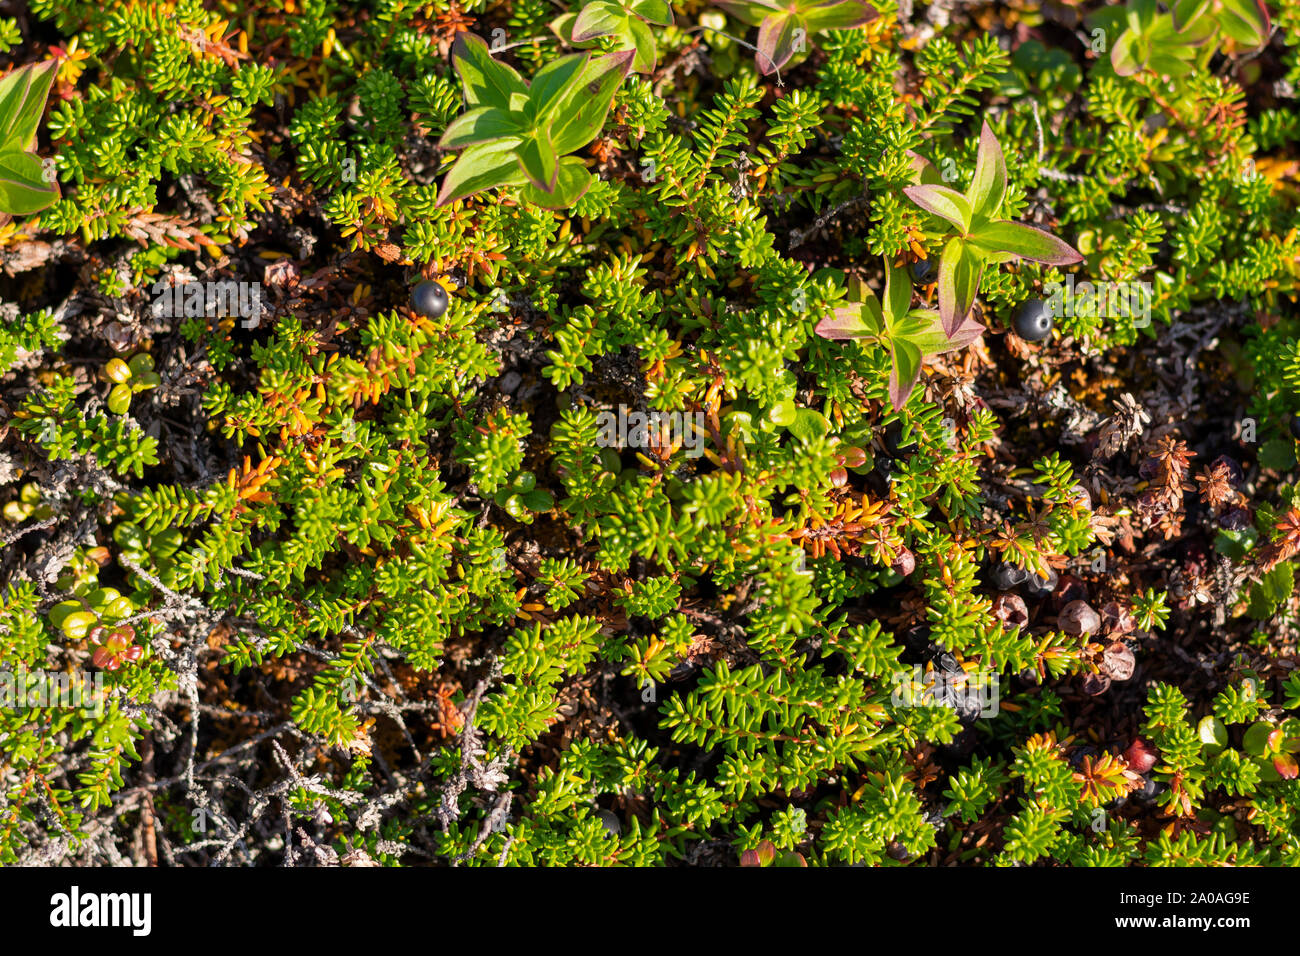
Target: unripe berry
(1140,756)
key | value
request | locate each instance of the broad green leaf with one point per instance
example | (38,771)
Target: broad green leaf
(960,270)
(538,161)
(1129,54)
(777,38)
(598,19)
(1027,242)
(751,12)
(643,42)
(989,187)
(1173,63)
(809,425)
(562,26)
(1168,39)
(924,329)
(481,167)
(943,202)
(858,291)
(539,500)
(905,371)
(1212,732)
(1141,14)
(1246,21)
(783,413)
(479,126)
(852,321)
(1277,454)
(1270,591)
(653,11)
(898,293)
(1255,740)
(577,117)
(1185,11)
(555,83)
(23,190)
(487,82)
(924,172)
(572,182)
(837,15)
(22,103)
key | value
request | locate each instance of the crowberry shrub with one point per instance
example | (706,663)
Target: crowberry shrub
(715,518)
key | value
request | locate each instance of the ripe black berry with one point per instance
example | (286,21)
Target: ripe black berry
(1149,791)
(894,439)
(1008,576)
(429,299)
(1033,320)
(1295,427)
(947,662)
(921,269)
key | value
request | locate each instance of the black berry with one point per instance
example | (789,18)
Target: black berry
(947,662)
(894,440)
(1008,576)
(429,299)
(1295,427)
(1150,790)
(921,269)
(1033,320)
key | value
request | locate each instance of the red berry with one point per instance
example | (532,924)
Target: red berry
(1140,756)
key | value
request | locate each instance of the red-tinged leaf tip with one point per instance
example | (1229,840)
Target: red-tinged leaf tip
(964,334)
(763,855)
(622,60)
(1286,766)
